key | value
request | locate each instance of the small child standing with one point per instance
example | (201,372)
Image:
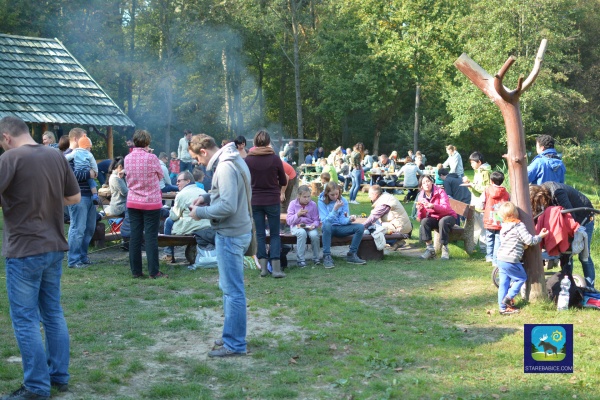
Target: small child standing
(492,197)
(173,168)
(83,159)
(303,218)
(514,236)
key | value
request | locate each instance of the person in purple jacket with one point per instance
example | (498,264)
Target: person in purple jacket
(267,178)
(303,218)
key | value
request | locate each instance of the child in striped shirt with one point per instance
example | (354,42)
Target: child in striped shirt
(514,239)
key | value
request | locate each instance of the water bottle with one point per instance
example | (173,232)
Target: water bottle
(563,296)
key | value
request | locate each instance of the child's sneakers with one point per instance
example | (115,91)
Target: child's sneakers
(445,252)
(508,310)
(301,264)
(328,261)
(428,254)
(507,301)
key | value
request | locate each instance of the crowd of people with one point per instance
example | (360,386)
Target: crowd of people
(247,192)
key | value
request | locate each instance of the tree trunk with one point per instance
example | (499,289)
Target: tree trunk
(376,140)
(128,78)
(165,56)
(416,131)
(236,89)
(282,93)
(227,99)
(345,131)
(294,6)
(508,102)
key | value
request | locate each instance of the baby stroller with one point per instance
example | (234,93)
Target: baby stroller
(566,256)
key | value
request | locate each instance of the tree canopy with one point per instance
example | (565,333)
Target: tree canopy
(338,72)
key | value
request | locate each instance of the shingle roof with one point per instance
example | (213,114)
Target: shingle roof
(41,82)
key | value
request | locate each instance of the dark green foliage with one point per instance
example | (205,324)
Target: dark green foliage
(226,68)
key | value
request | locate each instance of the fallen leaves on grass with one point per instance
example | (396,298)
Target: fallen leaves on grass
(293,359)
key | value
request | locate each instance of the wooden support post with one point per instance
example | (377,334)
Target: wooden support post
(109,142)
(508,102)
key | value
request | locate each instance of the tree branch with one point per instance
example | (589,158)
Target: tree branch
(536,66)
(500,88)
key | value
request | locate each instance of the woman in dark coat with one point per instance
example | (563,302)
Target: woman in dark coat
(267,178)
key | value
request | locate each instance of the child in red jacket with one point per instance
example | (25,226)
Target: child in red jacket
(494,195)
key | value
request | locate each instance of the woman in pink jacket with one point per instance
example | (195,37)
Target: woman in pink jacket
(144,201)
(434,212)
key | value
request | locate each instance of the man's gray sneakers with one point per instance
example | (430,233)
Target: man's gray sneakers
(354,259)
(328,261)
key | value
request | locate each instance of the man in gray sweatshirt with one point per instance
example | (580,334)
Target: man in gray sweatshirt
(226,206)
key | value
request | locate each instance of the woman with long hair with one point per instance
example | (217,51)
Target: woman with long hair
(267,178)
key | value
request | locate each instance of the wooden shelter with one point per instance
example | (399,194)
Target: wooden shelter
(44,85)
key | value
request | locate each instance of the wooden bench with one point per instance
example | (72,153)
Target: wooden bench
(460,233)
(366,250)
(189,241)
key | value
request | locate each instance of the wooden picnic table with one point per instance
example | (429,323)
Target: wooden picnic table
(307,168)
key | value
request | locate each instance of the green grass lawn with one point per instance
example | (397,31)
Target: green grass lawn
(401,328)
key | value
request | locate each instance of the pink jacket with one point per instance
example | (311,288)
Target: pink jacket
(143,175)
(312,218)
(441,205)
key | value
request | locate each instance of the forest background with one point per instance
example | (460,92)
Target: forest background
(335,71)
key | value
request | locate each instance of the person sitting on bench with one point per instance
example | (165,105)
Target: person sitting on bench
(392,214)
(334,215)
(303,218)
(434,212)
(179,221)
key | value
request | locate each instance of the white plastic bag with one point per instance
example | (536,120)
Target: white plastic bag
(205,259)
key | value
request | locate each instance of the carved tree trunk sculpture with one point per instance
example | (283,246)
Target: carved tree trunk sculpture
(508,102)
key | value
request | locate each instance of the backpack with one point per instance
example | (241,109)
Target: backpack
(553,289)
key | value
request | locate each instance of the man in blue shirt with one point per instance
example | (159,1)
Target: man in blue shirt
(547,165)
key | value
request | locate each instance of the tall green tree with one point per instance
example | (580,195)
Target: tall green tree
(492,32)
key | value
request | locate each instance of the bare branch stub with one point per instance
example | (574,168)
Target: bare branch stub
(536,66)
(511,60)
(499,86)
(519,85)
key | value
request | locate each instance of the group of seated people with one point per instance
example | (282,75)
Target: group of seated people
(176,218)
(383,170)
(332,215)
